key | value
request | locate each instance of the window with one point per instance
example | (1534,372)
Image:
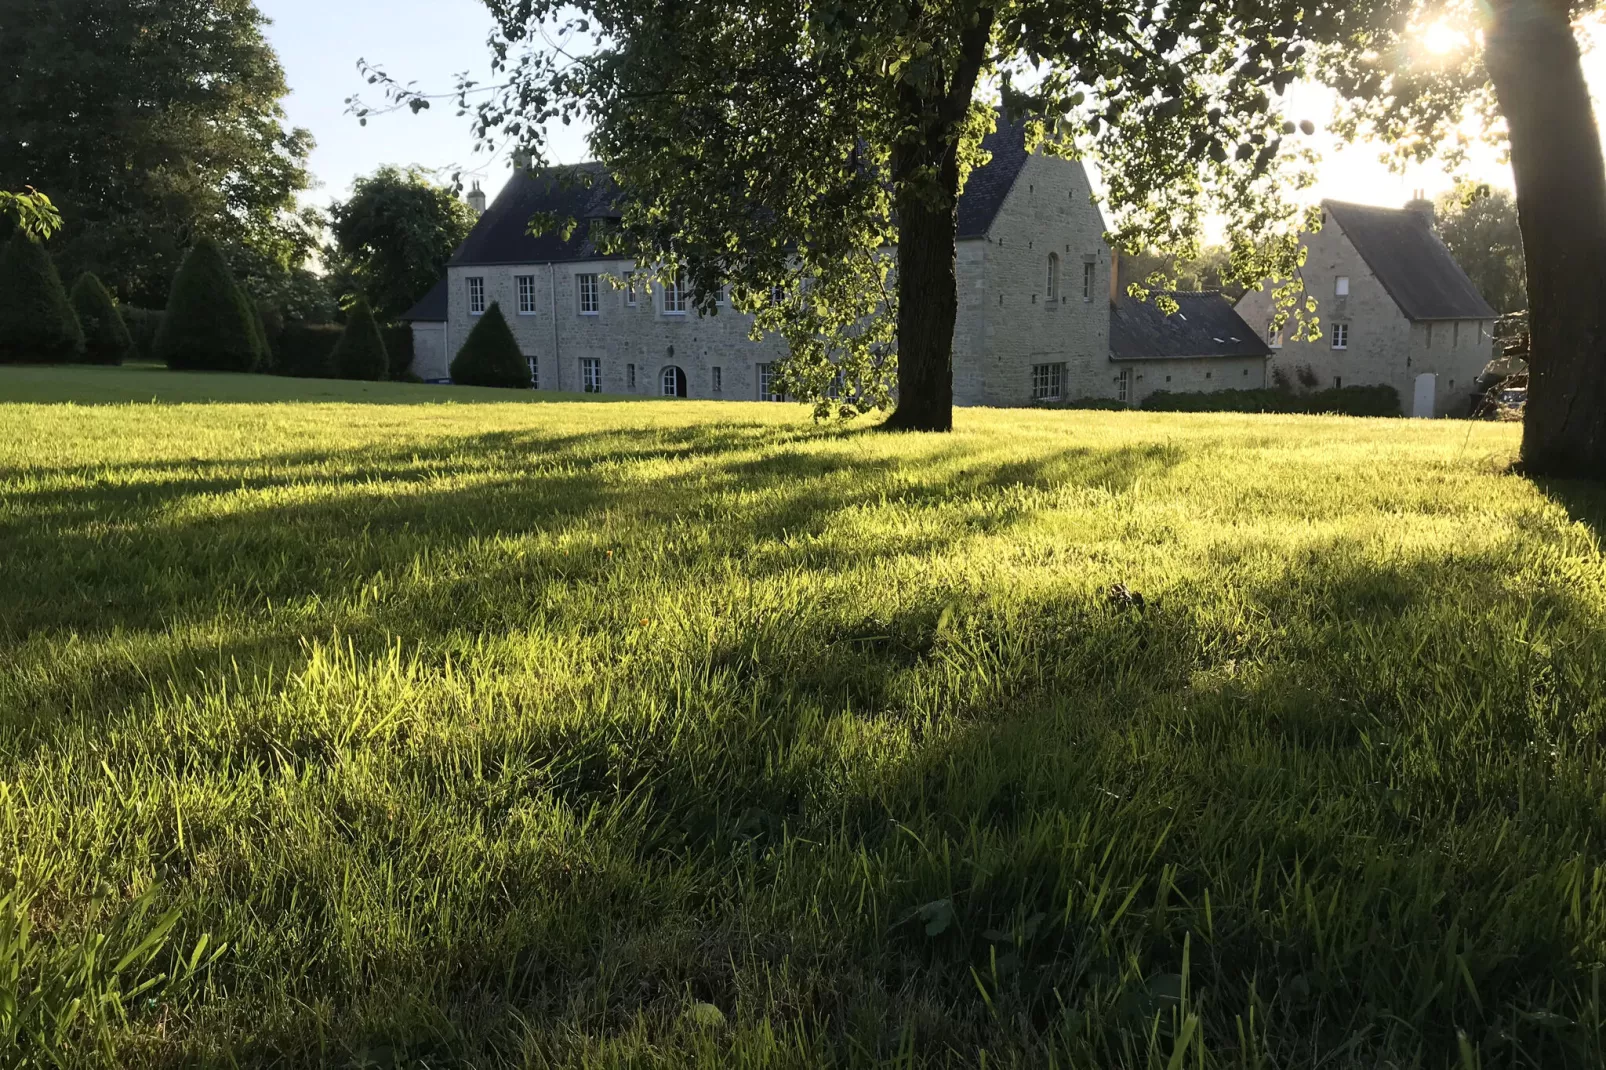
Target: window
(674,295)
(1123,386)
(630,376)
(1455,333)
(591,374)
(1053,276)
(777,295)
(719,296)
(1338,382)
(674,382)
(1341,286)
(1047,381)
(630,289)
(476,296)
(766,384)
(1274,338)
(588,294)
(1340,336)
(1087,280)
(719,380)
(526,295)
(535,372)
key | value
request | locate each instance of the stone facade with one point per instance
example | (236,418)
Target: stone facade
(1379,345)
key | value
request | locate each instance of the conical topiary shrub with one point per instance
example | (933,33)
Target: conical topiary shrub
(490,356)
(37,322)
(209,324)
(106,337)
(360,353)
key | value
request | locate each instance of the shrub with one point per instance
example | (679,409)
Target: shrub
(210,324)
(360,353)
(1106,404)
(143,324)
(305,350)
(490,356)
(37,322)
(399,345)
(1344,401)
(106,336)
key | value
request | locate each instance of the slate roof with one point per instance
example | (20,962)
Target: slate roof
(431,308)
(584,192)
(1204,325)
(1416,269)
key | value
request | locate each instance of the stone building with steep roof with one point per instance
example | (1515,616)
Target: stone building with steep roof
(1395,310)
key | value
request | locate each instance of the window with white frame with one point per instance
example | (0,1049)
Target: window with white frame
(476,296)
(718,379)
(1053,277)
(1123,389)
(1341,286)
(535,372)
(526,295)
(1088,268)
(1274,336)
(766,384)
(587,286)
(674,295)
(777,295)
(719,295)
(1047,381)
(630,289)
(1340,336)
(591,375)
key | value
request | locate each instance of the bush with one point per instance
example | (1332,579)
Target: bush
(490,356)
(360,353)
(143,324)
(106,337)
(37,322)
(210,324)
(1344,401)
(399,345)
(305,350)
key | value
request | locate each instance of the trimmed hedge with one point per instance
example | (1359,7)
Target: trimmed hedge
(304,350)
(143,324)
(1103,404)
(490,356)
(210,324)
(37,321)
(106,337)
(399,345)
(360,353)
(1344,401)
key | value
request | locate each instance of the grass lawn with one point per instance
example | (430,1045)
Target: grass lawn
(693,735)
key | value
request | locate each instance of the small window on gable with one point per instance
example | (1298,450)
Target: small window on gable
(1088,269)
(1341,286)
(1274,338)
(1053,277)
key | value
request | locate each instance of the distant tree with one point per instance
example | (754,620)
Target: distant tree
(106,337)
(1479,224)
(393,236)
(37,322)
(1210,270)
(360,353)
(490,355)
(151,123)
(209,324)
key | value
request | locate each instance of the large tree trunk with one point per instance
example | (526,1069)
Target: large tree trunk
(928,304)
(1533,61)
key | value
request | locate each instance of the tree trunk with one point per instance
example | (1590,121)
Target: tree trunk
(928,305)
(1533,61)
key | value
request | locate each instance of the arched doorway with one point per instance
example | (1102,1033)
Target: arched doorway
(674,381)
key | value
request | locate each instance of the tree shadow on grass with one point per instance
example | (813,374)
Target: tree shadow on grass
(1585,502)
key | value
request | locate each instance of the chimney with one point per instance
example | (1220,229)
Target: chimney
(1423,207)
(476,199)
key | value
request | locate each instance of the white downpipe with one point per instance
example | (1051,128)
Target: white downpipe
(552,282)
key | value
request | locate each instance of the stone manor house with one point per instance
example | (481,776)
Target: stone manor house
(1041,316)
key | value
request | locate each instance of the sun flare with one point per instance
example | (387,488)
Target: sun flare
(1441,39)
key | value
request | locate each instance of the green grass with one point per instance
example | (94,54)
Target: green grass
(693,735)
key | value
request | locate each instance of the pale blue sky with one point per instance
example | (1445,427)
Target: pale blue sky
(431,41)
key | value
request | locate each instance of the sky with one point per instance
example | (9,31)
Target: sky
(432,41)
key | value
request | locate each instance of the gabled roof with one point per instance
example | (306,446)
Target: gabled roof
(584,192)
(1414,266)
(1204,325)
(431,308)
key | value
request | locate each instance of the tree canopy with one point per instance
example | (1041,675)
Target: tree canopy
(394,235)
(1479,225)
(31,212)
(150,122)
